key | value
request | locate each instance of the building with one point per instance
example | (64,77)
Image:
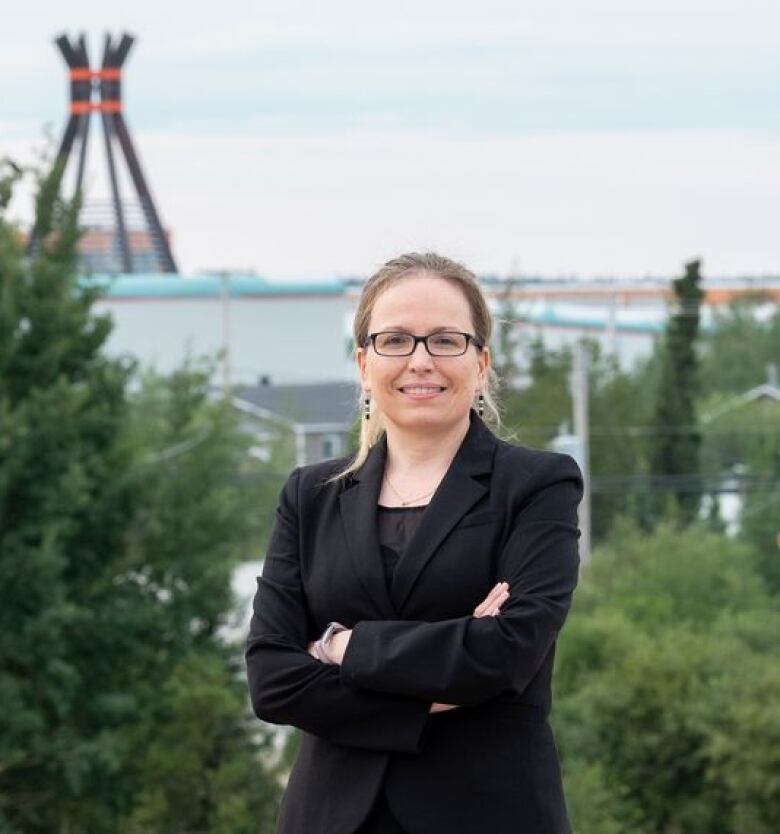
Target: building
(313,421)
(296,332)
(250,327)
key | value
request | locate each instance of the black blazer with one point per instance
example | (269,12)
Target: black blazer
(501,512)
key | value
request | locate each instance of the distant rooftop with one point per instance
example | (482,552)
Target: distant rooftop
(247,285)
(313,403)
(206,286)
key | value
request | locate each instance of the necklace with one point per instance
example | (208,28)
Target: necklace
(410,500)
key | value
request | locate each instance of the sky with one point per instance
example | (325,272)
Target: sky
(555,138)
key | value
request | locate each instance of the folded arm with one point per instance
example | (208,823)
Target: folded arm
(288,686)
(469,660)
(334,651)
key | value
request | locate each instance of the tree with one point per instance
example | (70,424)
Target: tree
(663,713)
(760,517)
(198,765)
(674,455)
(737,349)
(121,519)
(61,406)
(534,415)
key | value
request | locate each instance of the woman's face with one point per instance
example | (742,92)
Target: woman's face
(420,304)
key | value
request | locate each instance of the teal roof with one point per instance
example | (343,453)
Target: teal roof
(550,316)
(206,286)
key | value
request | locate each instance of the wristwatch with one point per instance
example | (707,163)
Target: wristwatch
(321,646)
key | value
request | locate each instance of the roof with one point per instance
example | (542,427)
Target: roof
(317,403)
(206,286)
(767,391)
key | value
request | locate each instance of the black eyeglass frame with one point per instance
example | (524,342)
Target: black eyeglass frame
(470,339)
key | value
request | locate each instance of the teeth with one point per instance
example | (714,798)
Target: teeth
(419,389)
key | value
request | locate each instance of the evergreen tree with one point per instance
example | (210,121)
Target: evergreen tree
(61,407)
(674,450)
(120,522)
(197,758)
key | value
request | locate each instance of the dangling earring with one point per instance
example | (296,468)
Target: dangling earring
(367,407)
(480,404)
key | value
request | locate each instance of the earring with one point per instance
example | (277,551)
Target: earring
(367,407)
(480,404)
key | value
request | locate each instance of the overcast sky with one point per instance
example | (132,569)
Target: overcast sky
(299,139)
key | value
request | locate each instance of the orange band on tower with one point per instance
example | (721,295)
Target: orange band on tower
(79,108)
(86,74)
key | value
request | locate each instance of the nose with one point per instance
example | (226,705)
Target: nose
(420,356)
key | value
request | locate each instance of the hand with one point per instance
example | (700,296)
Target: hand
(489,607)
(337,646)
(442,707)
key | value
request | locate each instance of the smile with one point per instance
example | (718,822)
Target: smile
(422,390)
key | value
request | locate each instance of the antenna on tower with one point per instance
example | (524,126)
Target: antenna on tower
(100,91)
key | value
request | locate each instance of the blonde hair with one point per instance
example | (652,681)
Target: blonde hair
(404,266)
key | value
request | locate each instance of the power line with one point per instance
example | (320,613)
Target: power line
(692,482)
(651,429)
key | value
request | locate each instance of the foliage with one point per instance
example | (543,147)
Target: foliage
(743,340)
(674,453)
(618,452)
(666,687)
(121,518)
(534,415)
(198,765)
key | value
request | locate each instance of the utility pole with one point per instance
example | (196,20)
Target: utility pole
(611,326)
(225,303)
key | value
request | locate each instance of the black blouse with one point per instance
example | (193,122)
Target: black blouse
(395,526)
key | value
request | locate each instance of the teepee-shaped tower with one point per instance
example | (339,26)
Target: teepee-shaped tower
(130,233)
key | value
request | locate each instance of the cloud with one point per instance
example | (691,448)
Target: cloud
(313,139)
(556,203)
(296,205)
(512,84)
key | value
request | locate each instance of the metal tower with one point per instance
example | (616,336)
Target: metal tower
(99,91)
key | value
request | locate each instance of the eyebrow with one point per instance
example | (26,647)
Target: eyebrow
(433,330)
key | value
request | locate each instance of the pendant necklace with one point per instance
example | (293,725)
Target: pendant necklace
(411,500)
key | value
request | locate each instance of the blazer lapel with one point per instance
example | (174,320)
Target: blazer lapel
(358,514)
(458,491)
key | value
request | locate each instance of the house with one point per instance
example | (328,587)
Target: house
(315,419)
(741,448)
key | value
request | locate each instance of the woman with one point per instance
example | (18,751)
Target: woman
(381,628)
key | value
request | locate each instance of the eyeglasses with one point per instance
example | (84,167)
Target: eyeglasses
(442,343)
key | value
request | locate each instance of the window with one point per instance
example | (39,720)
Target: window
(331,445)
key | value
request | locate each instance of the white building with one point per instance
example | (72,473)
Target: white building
(299,332)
